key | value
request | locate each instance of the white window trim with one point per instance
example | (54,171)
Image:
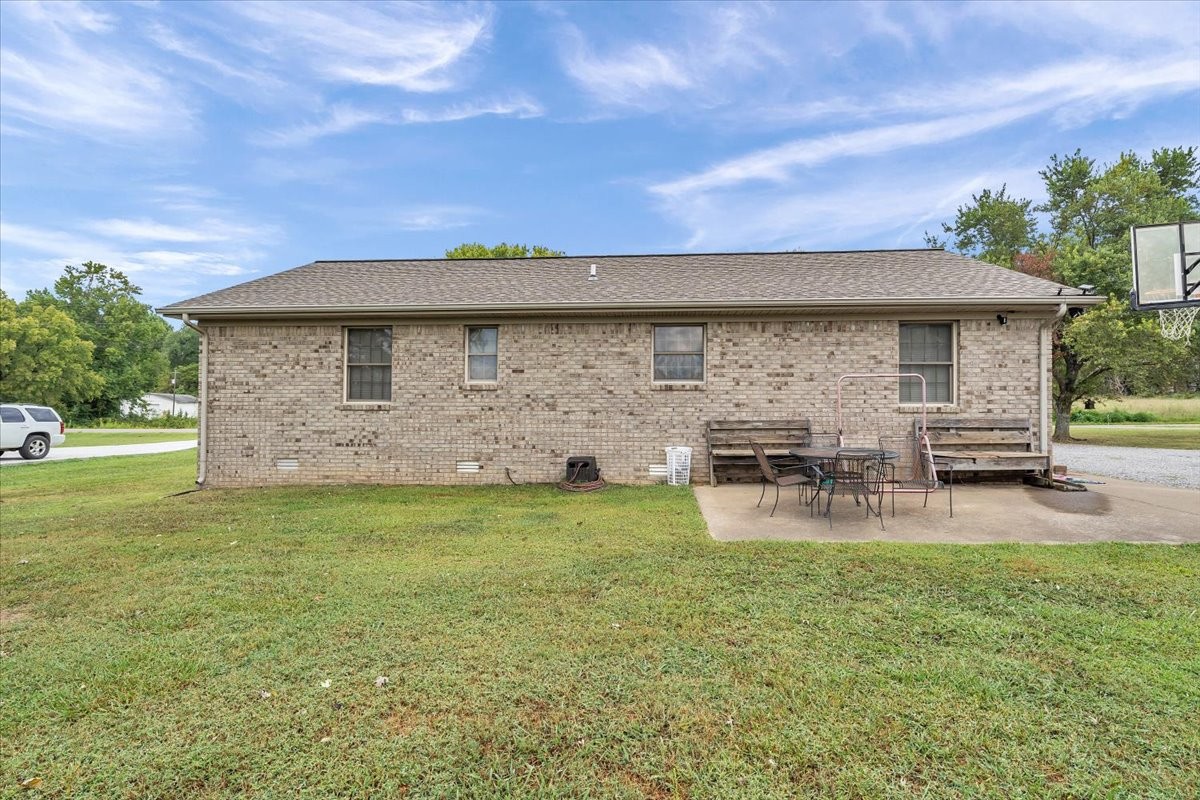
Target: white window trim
(954,358)
(467,356)
(703,353)
(346,364)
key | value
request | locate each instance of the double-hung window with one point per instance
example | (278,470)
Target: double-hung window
(369,364)
(483,354)
(678,353)
(927,348)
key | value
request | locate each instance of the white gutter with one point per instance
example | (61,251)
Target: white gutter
(202,411)
(1044,445)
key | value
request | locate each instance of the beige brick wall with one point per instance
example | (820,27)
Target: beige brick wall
(565,388)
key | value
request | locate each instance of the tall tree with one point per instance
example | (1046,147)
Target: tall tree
(993,227)
(43,358)
(128,336)
(182,349)
(502,250)
(1090,210)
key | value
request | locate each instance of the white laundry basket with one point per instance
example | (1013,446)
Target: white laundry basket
(679,466)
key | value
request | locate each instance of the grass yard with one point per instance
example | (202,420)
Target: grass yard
(538,644)
(1178,438)
(93,438)
(1165,409)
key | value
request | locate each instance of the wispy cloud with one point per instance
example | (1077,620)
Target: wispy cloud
(343,118)
(410,46)
(1065,91)
(59,69)
(435,217)
(206,230)
(626,76)
(154,253)
(713,45)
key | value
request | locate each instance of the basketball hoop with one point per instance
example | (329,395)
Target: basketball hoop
(1165,256)
(1176,323)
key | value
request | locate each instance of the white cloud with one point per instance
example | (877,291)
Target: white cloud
(1072,93)
(883,211)
(343,118)
(435,218)
(33,255)
(410,46)
(68,75)
(628,76)
(715,45)
(207,230)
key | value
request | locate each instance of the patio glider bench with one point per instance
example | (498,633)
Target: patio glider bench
(729,455)
(986,445)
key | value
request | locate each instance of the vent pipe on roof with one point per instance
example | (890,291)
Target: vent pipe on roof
(592,273)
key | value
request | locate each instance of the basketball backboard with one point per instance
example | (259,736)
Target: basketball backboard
(1166,265)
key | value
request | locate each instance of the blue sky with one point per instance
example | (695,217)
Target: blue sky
(197,145)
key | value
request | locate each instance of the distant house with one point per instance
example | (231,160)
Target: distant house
(157,404)
(474,371)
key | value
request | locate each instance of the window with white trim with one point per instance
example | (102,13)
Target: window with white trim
(679,353)
(927,348)
(369,364)
(483,354)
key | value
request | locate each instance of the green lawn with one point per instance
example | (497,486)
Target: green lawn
(1182,438)
(539,644)
(92,438)
(1175,409)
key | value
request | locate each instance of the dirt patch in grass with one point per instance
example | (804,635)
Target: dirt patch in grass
(17,615)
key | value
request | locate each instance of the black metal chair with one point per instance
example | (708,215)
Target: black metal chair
(859,473)
(781,473)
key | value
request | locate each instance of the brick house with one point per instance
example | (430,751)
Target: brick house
(417,371)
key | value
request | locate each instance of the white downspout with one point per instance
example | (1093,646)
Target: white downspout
(1044,383)
(202,469)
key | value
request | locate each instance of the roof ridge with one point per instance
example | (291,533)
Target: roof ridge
(637,255)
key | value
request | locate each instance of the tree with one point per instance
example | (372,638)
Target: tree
(128,336)
(993,227)
(1090,211)
(43,358)
(502,250)
(182,350)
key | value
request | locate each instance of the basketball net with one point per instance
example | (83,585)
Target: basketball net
(1176,323)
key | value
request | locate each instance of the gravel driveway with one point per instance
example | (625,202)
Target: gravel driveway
(1180,468)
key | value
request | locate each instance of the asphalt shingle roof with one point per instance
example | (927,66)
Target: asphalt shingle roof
(872,277)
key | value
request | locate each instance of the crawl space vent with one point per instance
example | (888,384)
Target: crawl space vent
(467,467)
(287,463)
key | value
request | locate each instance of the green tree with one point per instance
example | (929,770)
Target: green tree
(1090,210)
(182,350)
(502,250)
(128,336)
(993,227)
(43,358)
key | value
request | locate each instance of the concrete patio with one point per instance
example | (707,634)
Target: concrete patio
(1117,511)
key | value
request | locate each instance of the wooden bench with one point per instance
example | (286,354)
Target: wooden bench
(729,454)
(987,445)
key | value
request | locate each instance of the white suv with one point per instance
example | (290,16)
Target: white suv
(30,430)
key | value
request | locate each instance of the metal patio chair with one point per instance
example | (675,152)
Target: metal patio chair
(860,474)
(782,474)
(916,471)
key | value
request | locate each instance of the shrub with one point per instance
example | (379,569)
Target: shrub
(138,421)
(1114,416)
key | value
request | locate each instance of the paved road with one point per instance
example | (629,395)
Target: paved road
(64,453)
(1180,468)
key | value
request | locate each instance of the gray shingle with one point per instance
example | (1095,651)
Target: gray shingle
(868,276)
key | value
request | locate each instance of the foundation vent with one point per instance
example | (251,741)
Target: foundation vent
(467,467)
(287,463)
(658,471)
